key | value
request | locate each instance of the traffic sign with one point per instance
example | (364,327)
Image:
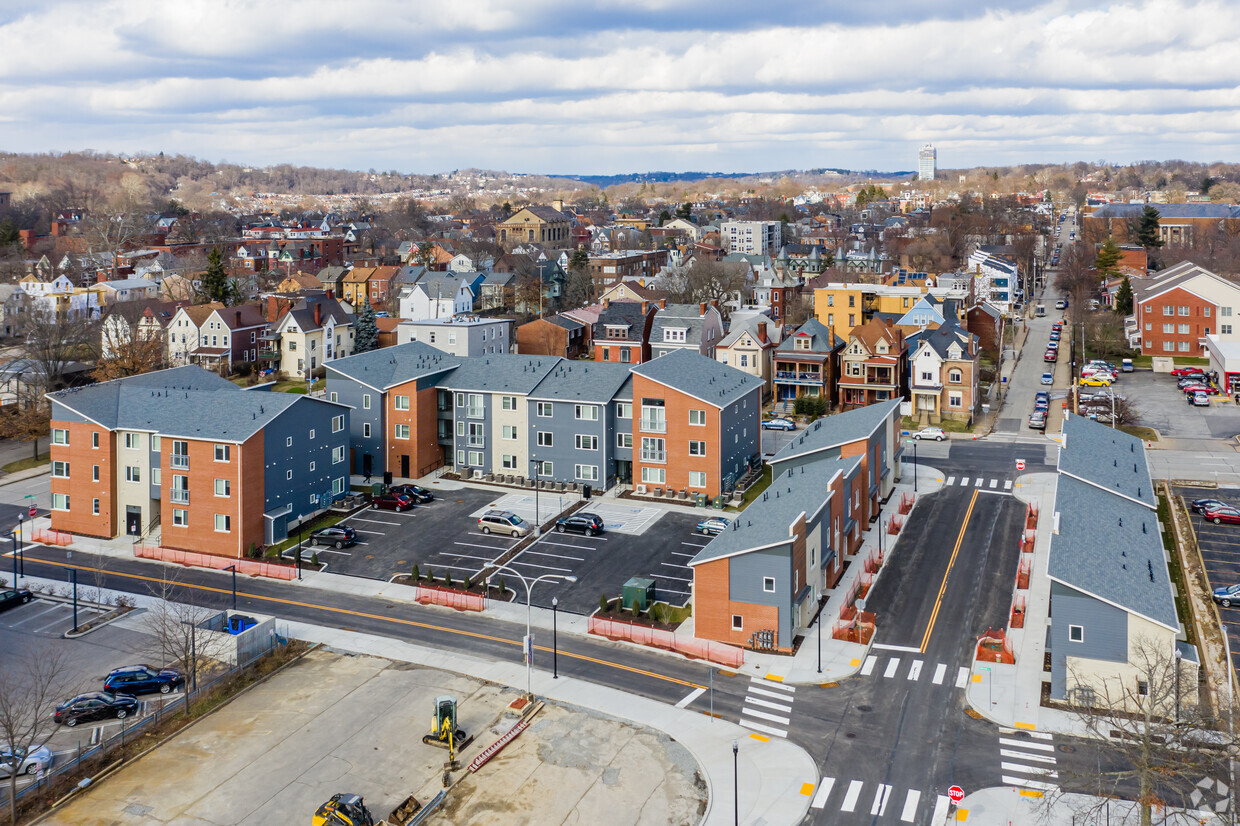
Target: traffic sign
(1020,464)
(33,511)
(955,794)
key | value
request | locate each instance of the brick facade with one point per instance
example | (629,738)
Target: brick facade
(1176,322)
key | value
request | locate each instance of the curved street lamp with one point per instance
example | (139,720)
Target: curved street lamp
(529,588)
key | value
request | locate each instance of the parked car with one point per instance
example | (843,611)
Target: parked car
(392,502)
(1223,513)
(581,522)
(142,679)
(1096,380)
(1054,335)
(1180,372)
(1227,595)
(1202,505)
(1051,355)
(1041,404)
(779,424)
(1061,305)
(935,433)
(336,535)
(1048,378)
(1037,420)
(495,521)
(21,763)
(713,525)
(1190,389)
(1057,326)
(1191,380)
(417,493)
(1199,399)
(94,706)
(1125,365)
(14,597)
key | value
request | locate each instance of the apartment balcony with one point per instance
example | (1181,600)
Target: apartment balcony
(268,355)
(927,384)
(178,461)
(475,412)
(476,441)
(654,456)
(795,377)
(179,497)
(653,425)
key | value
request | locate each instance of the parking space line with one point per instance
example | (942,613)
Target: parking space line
(665,576)
(369,532)
(686,556)
(540,567)
(500,548)
(566,545)
(53,607)
(553,556)
(693,544)
(333,551)
(492,536)
(376,521)
(676,565)
(466,556)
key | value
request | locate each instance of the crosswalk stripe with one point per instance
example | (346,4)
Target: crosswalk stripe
(1007,485)
(1036,735)
(777,732)
(939,673)
(892,665)
(879,807)
(1037,771)
(950,480)
(762,692)
(994,483)
(962,678)
(756,681)
(914,670)
(763,715)
(690,697)
(868,668)
(964,481)
(979,482)
(910,806)
(1029,784)
(824,791)
(1025,744)
(940,809)
(1020,755)
(768,704)
(850,798)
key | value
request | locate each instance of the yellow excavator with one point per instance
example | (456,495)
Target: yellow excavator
(343,810)
(444,732)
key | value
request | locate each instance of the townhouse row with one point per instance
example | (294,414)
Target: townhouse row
(682,421)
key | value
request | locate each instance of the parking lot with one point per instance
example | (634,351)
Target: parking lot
(1162,406)
(1220,549)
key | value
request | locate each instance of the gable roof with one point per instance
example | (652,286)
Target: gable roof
(584,381)
(500,373)
(840,429)
(822,340)
(703,378)
(302,313)
(624,313)
(390,366)
(1106,458)
(749,325)
(688,317)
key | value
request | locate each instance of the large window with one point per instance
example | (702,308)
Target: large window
(544,439)
(697,478)
(60,470)
(223,487)
(60,436)
(180,517)
(402,431)
(337,455)
(60,501)
(653,450)
(544,409)
(584,442)
(223,453)
(654,475)
(223,523)
(697,417)
(624,440)
(401,402)
(697,448)
(586,412)
(586,473)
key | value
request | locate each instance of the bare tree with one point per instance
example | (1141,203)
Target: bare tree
(130,342)
(710,280)
(31,686)
(175,625)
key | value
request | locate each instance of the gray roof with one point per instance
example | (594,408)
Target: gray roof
(1168,211)
(1107,458)
(303,312)
(565,322)
(766,521)
(842,428)
(941,338)
(582,381)
(824,341)
(749,324)
(680,316)
(507,373)
(703,378)
(394,365)
(1111,548)
(620,313)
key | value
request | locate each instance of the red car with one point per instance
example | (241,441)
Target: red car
(1057,326)
(393,502)
(1051,355)
(1223,513)
(1204,388)
(1180,372)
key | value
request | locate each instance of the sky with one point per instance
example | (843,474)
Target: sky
(608,87)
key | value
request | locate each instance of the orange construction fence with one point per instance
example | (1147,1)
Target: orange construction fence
(1018,613)
(449,598)
(1031,516)
(874,562)
(854,625)
(47,536)
(715,652)
(249,567)
(906,502)
(894,525)
(1022,574)
(995,647)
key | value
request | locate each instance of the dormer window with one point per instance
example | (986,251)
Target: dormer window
(674,334)
(803,343)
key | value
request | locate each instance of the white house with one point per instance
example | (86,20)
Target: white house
(466,335)
(130,289)
(435,295)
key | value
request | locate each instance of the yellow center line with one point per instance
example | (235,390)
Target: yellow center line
(938,601)
(382,618)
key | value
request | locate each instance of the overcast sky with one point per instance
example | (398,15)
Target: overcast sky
(604,86)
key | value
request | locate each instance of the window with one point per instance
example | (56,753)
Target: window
(94,473)
(460,428)
(365,401)
(460,457)
(223,523)
(744,360)
(1168,328)
(955,400)
(584,442)
(955,376)
(1205,311)
(830,301)
(509,432)
(586,412)
(830,319)
(697,417)
(625,356)
(94,439)
(155,443)
(1184,310)
(338,486)
(544,439)
(180,517)
(1224,329)
(60,436)
(1183,329)
(1076,633)
(586,473)
(288,441)
(624,440)
(337,455)
(1168,346)
(654,475)
(768,584)
(544,409)
(333,396)
(337,424)
(402,402)
(133,473)
(94,506)
(223,487)
(1168,309)
(624,410)
(60,501)
(60,470)
(132,441)
(475,458)
(222,453)
(544,468)
(1183,346)
(476,410)
(1225,311)
(737,622)
(697,448)
(1143,688)
(366,430)
(508,402)
(288,474)
(402,431)
(697,478)
(926,375)
(508,462)
(606,354)
(460,397)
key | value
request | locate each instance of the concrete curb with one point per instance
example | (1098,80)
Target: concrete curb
(22,475)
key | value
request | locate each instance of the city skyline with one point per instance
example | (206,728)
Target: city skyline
(555,88)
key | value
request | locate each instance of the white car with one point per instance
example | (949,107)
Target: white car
(40,757)
(935,433)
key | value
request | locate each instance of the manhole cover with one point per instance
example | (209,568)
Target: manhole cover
(849,735)
(865,708)
(1066,749)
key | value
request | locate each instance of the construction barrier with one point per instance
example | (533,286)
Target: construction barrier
(50,537)
(715,652)
(1031,516)
(1018,613)
(906,502)
(1022,575)
(249,567)
(854,625)
(449,598)
(874,562)
(894,525)
(995,647)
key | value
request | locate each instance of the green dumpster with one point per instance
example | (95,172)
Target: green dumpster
(638,593)
(702,500)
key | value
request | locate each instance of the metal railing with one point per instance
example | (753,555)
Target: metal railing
(179,460)
(653,455)
(178,497)
(653,425)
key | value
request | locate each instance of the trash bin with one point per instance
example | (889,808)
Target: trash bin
(586,491)
(638,593)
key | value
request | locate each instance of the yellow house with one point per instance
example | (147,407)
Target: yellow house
(535,224)
(841,307)
(355,285)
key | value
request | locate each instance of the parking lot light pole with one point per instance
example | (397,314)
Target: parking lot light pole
(233,568)
(916,466)
(555,648)
(529,613)
(537,521)
(13,536)
(736,785)
(75,604)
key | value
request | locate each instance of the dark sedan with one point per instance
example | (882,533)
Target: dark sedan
(142,679)
(587,523)
(14,597)
(417,493)
(336,535)
(96,705)
(1223,513)
(1203,505)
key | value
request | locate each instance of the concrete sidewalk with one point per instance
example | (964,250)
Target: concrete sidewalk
(1009,807)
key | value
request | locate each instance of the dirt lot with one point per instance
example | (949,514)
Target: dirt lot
(336,722)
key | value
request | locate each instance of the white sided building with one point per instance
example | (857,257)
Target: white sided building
(463,335)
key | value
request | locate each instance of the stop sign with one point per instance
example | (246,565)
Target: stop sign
(33,511)
(955,794)
(1020,464)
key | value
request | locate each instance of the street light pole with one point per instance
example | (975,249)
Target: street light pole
(819,621)
(1179,655)
(736,785)
(555,648)
(529,613)
(916,466)
(537,520)
(233,568)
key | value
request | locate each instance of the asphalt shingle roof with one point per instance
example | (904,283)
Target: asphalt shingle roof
(703,378)
(1106,458)
(507,373)
(1111,548)
(688,317)
(842,428)
(390,366)
(583,381)
(823,340)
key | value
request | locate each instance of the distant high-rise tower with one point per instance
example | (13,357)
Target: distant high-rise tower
(927,162)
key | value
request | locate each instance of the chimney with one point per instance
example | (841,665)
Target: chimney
(762,331)
(714,302)
(57,228)
(238,317)
(318,314)
(273,308)
(606,303)
(558,203)
(702,308)
(645,307)
(101,277)
(662,303)
(331,294)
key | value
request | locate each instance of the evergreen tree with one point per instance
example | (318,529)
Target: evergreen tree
(216,285)
(1146,231)
(366,331)
(664,217)
(1107,262)
(1123,298)
(685,211)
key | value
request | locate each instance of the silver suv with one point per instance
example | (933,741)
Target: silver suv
(503,522)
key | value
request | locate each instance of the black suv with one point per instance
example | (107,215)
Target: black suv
(587,523)
(417,493)
(142,679)
(338,535)
(94,706)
